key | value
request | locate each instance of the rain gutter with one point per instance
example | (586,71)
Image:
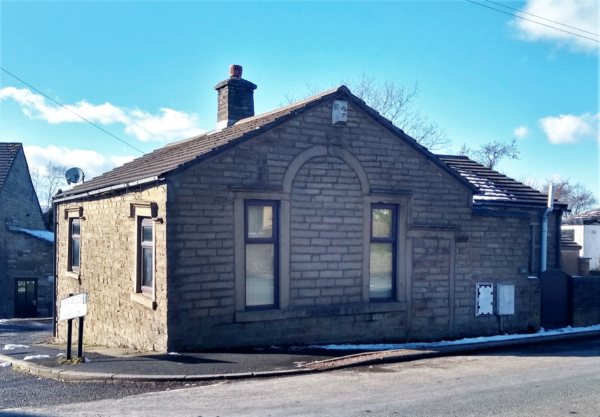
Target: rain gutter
(107,189)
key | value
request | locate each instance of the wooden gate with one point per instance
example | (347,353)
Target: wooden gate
(556,295)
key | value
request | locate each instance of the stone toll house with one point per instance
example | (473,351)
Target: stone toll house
(317,222)
(26,272)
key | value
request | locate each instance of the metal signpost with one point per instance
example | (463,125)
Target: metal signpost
(74,306)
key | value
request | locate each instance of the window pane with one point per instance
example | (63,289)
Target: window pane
(146,233)
(75,253)
(147,267)
(76,227)
(382,222)
(381,270)
(260,221)
(260,283)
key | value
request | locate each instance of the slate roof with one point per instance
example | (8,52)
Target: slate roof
(495,188)
(8,153)
(182,153)
(589,217)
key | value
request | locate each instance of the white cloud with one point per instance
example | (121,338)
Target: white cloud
(167,126)
(170,125)
(581,14)
(571,129)
(92,163)
(521,132)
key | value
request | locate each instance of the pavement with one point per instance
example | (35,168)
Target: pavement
(127,365)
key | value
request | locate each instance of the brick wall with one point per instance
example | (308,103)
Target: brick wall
(107,272)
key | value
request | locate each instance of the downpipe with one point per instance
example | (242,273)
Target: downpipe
(544,254)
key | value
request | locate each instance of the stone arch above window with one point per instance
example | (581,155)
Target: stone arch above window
(320,150)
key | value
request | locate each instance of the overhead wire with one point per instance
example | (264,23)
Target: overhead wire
(524,18)
(68,109)
(543,18)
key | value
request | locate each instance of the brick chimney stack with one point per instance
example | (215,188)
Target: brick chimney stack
(236,98)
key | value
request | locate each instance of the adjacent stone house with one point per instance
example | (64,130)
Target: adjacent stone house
(317,222)
(26,274)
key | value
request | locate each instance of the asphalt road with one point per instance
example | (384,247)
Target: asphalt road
(559,379)
(18,389)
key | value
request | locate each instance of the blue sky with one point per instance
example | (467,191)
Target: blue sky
(146,71)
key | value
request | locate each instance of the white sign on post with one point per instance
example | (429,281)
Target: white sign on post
(73,307)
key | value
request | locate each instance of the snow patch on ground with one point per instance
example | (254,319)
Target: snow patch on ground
(60,355)
(174,354)
(33,357)
(466,341)
(11,347)
(5,364)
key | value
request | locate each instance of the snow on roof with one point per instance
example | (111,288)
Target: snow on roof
(40,234)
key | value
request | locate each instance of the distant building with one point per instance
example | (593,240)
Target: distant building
(584,229)
(317,222)
(26,283)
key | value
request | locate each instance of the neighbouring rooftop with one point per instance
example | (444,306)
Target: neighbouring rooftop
(494,187)
(8,152)
(44,235)
(588,217)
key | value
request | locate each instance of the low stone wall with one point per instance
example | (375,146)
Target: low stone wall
(586,301)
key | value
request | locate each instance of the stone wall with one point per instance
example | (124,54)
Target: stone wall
(446,249)
(107,271)
(18,207)
(326,234)
(28,257)
(586,301)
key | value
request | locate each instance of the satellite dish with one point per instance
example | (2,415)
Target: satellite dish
(74,175)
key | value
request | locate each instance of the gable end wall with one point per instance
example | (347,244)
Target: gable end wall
(326,245)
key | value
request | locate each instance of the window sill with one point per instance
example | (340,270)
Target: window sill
(319,311)
(71,274)
(143,300)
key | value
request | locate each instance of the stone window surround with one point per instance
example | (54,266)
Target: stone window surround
(140,210)
(401,198)
(274,240)
(393,240)
(73,213)
(240,244)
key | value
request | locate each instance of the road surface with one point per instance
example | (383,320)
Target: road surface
(559,379)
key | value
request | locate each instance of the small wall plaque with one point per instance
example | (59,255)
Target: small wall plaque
(339,113)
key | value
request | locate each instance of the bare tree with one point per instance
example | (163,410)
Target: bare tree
(577,196)
(47,184)
(490,154)
(395,102)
